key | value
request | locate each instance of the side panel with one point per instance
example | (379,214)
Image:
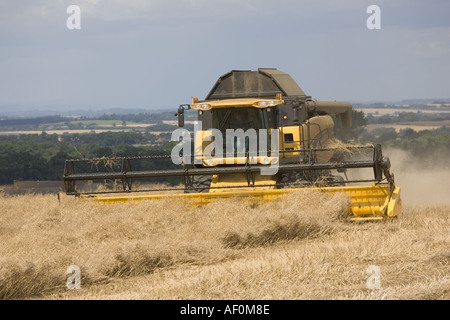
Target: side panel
(314,133)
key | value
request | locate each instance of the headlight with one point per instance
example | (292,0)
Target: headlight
(202,106)
(268,103)
(266,160)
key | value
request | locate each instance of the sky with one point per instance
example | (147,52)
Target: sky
(159,54)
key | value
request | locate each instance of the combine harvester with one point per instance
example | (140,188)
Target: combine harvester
(257,136)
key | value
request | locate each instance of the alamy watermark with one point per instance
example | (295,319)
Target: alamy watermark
(74,280)
(374,281)
(241,147)
(374,20)
(73,22)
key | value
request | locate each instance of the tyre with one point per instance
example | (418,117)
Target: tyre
(200,184)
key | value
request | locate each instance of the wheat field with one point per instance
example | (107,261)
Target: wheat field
(294,248)
(298,247)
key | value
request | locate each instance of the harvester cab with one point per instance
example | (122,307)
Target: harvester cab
(258,135)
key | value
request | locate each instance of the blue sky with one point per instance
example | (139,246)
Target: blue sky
(158,54)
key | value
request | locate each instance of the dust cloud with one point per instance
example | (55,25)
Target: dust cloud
(422,182)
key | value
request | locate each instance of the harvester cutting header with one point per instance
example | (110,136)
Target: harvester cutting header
(258,135)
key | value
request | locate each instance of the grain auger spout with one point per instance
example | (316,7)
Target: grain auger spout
(258,136)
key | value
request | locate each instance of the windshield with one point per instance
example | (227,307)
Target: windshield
(244,118)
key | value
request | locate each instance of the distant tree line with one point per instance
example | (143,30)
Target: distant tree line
(42,157)
(32,121)
(71,122)
(140,117)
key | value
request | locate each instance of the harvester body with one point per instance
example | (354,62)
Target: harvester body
(258,135)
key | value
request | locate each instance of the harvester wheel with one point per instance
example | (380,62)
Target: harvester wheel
(200,184)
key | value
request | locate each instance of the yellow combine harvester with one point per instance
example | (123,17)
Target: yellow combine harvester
(257,136)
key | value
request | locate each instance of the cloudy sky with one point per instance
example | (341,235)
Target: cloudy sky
(157,54)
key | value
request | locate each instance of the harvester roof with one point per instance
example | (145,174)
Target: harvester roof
(264,83)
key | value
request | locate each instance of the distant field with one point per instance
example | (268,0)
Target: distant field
(60,131)
(100,126)
(417,126)
(384,111)
(107,123)
(175,122)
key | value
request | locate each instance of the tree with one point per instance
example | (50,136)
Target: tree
(407,134)
(386,134)
(359,121)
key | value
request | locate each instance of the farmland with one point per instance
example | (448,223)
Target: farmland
(416,126)
(417,119)
(295,248)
